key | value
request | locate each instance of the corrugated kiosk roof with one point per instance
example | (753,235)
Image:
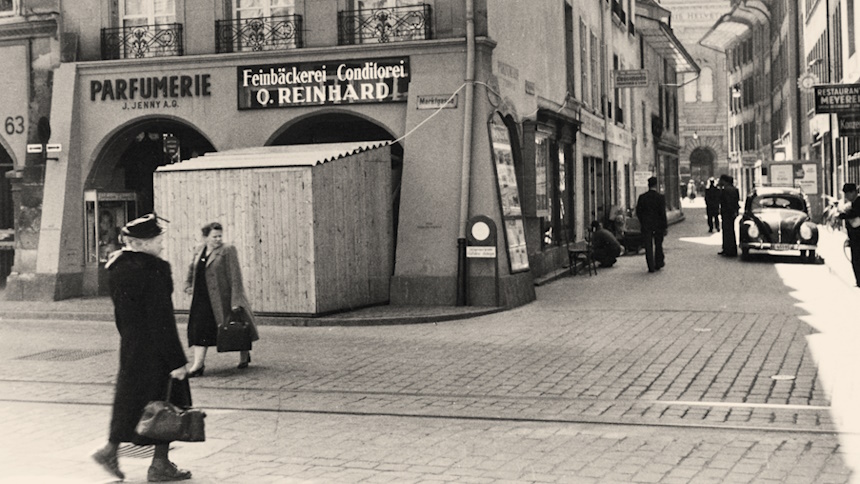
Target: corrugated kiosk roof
(274,156)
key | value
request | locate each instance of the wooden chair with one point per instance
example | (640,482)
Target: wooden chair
(581,258)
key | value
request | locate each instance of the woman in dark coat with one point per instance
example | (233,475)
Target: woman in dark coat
(150,350)
(215,282)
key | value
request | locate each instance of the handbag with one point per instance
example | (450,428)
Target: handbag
(235,333)
(162,420)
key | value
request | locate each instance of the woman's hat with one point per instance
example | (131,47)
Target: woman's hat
(145,227)
(849,187)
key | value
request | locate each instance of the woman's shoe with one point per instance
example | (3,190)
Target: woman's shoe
(197,372)
(244,364)
(108,461)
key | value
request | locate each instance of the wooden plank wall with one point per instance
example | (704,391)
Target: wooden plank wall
(353,230)
(266,213)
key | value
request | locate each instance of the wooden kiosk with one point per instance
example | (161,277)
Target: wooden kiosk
(312,223)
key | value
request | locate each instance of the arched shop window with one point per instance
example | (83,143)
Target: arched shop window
(505,150)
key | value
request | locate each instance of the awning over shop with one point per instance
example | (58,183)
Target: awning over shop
(274,156)
(657,33)
(735,25)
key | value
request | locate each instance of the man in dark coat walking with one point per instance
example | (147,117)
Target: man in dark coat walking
(150,350)
(729,205)
(851,215)
(651,212)
(712,205)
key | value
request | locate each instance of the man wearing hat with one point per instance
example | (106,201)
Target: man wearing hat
(730,204)
(150,351)
(851,215)
(651,212)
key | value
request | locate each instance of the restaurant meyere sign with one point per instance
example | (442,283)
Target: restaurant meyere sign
(322,83)
(837,98)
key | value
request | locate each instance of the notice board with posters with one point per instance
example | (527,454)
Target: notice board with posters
(509,196)
(799,174)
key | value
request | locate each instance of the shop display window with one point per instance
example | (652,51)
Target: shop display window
(105,214)
(509,197)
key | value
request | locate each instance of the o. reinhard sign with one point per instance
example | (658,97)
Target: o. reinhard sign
(323,83)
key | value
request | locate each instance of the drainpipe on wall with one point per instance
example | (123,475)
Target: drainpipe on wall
(466,164)
(604,97)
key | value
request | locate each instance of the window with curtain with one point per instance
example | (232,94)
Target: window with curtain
(583,62)
(245,9)
(147,12)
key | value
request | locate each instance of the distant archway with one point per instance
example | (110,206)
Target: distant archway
(701,165)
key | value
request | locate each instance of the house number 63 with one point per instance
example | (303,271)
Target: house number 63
(14,125)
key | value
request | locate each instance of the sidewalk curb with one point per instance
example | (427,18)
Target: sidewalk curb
(299,321)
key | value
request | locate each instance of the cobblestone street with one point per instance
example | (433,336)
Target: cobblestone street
(711,370)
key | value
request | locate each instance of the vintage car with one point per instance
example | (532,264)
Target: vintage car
(777,219)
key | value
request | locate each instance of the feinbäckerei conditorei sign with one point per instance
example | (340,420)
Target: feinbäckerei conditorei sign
(318,83)
(837,98)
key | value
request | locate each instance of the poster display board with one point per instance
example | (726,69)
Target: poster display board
(509,197)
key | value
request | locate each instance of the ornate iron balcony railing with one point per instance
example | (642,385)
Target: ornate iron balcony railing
(380,25)
(258,34)
(142,41)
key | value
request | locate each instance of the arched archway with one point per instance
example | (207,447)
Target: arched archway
(340,127)
(119,186)
(129,158)
(701,165)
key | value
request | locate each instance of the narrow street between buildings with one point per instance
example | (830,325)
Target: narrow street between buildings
(710,370)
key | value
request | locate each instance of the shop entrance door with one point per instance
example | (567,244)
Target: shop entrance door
(105,213)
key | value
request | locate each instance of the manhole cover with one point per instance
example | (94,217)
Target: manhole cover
(63,355)
(782,377)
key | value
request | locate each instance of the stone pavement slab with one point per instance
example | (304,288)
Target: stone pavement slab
(246,446)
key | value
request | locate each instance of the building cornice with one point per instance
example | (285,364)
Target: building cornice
(21,28)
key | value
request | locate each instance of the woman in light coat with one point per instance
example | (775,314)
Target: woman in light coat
(215,282)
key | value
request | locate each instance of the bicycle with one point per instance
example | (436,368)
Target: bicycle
(830,214)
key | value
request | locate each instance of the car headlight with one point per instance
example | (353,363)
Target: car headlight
(752,230)
(805,232)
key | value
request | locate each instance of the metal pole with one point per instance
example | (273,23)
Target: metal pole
(466,165)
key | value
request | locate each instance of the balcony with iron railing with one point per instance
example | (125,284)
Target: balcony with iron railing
(382,25)
(140,41)
(258,34)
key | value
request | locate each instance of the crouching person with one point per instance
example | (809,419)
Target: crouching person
(604,246)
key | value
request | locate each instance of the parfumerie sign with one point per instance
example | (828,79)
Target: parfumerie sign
(837,98)
(150,92)
(319,83)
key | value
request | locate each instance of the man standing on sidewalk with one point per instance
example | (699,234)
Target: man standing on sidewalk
(651,212)
(851,215)
(712,205)
(729,205)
